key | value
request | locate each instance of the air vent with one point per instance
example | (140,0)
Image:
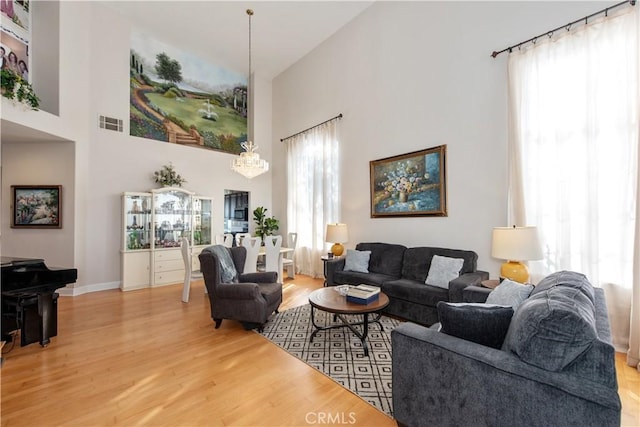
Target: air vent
(110,123)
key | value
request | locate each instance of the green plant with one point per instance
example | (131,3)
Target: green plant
(168,177)
(264,226)
(17,89)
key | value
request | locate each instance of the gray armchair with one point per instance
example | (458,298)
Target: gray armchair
(250,301)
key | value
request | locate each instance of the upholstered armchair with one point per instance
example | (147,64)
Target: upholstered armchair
(248,298)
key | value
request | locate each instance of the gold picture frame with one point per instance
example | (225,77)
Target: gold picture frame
(412,184)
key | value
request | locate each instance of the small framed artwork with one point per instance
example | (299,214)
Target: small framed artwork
(36,206)
(412,184)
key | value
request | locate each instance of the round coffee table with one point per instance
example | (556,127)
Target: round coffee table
(329,300)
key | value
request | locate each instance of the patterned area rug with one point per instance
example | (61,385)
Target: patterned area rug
(338,353)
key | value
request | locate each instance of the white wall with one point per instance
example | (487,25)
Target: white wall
(94,49)
(409,76)
(30,164)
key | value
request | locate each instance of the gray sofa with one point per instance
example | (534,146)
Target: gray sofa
(556,366)
(400,272)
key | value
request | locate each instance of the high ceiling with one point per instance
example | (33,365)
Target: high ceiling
(218,31)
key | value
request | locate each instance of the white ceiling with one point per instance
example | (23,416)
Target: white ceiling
(218,31)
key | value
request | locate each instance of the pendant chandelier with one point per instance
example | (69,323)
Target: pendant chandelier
(249,163)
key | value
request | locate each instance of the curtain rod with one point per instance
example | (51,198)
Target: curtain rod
(339,116)
(566,26)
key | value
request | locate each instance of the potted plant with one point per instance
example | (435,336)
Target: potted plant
(265,226)
(17,89)
(168,177)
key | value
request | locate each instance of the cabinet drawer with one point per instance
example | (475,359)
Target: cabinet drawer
(167,255)
(168,277)
(169,265)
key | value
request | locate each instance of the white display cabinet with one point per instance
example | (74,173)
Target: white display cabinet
(153,225)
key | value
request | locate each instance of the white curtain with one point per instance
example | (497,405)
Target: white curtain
(313,179)
(574,113)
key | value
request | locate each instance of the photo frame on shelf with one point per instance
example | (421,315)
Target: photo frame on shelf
(412,184)
(36,206)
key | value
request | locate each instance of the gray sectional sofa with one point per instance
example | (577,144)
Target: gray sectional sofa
(556,366)
(401,272)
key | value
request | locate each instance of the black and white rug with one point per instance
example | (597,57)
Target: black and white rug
(338,353)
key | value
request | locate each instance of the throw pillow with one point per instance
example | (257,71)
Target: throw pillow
(357,261)
(228,272)
(480,323)
(443,270)
(509,293)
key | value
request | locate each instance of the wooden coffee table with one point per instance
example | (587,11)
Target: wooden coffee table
(329,300)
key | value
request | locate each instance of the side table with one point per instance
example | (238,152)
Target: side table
(325,259)
(491,284)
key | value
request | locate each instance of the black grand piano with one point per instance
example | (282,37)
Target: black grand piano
(29,298)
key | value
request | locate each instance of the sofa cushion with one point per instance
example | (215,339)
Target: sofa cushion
(357,261)
(443,270)
(483,324)
(385,258)
(410,290)
(553,327)
(417,261)
(569,279)
(509,293)
(356,278)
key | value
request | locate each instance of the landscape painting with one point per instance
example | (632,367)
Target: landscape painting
(412,184)
(36,206)
(179,98)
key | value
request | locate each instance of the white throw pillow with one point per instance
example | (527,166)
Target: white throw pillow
(509,293)
(443,270)
(357,261)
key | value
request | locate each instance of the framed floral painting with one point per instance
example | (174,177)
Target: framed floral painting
(412,184)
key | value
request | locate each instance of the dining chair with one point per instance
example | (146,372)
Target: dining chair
(253,248)
(240,237)
(273,260)
(289,263)
(189,272)
(224,239)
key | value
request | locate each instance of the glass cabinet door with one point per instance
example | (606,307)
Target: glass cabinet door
(172,217)
(202,221)
(137,221)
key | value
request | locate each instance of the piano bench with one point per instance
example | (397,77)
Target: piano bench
(22,312)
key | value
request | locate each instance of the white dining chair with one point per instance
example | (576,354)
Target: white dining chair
(252,244)
(240,237)
(289,263)
(224,239)
(189,273)
(273,260)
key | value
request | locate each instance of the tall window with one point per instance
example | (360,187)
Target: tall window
(313,179)
(574,129)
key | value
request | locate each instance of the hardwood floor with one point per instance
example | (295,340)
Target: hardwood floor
(145,358)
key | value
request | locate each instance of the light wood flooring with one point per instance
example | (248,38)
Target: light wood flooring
(145,358)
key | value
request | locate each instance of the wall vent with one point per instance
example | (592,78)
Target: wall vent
(110,123)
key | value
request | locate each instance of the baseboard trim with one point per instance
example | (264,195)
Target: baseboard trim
(85,289)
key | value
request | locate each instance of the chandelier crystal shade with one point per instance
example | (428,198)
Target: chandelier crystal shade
(249,163)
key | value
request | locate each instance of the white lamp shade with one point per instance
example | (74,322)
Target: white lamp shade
(337,233)
(516,243)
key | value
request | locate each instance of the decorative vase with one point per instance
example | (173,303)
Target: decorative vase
(402,197)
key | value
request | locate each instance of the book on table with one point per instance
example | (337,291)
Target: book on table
(363,294)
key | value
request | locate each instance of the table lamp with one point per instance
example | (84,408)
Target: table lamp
(337,234)
(515,244)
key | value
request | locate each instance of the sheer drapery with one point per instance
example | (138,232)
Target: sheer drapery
(574,112)
(313,180)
